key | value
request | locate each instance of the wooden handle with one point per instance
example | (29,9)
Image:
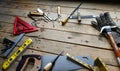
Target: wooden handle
(64,22)
(48,67)
(40,11)
(79,18)
(58,10)
(34,13)
(36,66)
(113,44)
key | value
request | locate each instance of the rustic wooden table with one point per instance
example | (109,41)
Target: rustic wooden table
(52,38)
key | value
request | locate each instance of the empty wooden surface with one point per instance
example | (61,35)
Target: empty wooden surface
(52,38)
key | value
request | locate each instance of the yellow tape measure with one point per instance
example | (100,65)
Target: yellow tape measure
(10,60)
(79,61)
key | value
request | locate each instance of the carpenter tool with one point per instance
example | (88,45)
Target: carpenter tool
(6,43)
(79,17)
(49,66)
(35,14)
(66,20)
(6,64)
(80,62)
(35,20)
(63,64)
(36,59)
(59,14)
(105,25)
(44,14)
(59,11)
(83,17)
(20,26)
(9,45)
(98,62)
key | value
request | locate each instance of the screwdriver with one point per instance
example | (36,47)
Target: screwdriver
(66,20)
(78,15)
(49,66)
(44,14)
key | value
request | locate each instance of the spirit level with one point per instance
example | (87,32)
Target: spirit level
(10,60)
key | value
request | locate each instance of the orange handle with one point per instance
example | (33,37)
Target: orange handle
(113,44)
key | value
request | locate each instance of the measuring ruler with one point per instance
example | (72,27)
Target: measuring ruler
(10,60)
(79,62)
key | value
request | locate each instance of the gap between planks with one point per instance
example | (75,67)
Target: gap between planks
(53,46)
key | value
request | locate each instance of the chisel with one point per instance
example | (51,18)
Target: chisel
(65,21)
(49,66)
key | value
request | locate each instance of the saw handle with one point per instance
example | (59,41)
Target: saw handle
(25,60)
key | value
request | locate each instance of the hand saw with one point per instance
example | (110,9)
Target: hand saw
(6,64)
(99,64)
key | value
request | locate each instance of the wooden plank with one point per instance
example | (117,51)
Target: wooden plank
(52,15)
(15,12)
(75,38)
(70,27)
(15,63)
(74,49)
(52,40)
(5,27)
(6,18)
(45,45)
(71,37)
(13,66)
(64,45)
(99,6)
(54,9)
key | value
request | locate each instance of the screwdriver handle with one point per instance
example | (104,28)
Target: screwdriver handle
(48,67)
(34,13)
(40,11)
(58,10)
(79,17)
(64,21)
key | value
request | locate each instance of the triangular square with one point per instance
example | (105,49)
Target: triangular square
(20,26)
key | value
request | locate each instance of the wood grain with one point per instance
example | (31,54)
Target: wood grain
(52,38)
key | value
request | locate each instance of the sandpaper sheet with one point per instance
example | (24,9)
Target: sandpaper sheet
(64,64)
